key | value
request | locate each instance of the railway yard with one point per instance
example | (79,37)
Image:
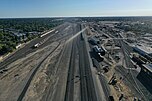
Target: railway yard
(78,61)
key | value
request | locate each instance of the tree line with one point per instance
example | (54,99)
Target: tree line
(9,41)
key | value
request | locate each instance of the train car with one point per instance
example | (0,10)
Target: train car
(44,34)
(94,41)
(99,50)
(56,32)
(82,37)
(143,53)
(36,45)
(144,59)
(138,60)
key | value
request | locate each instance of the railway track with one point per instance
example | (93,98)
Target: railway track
(64,64)
(69,95)
(86,81)
(105,87)
(27,49)
(70,80)
(21,96)
(83,83)
(129,64)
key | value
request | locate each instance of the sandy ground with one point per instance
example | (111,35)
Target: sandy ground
(43,79)
(14,80)
(19,71)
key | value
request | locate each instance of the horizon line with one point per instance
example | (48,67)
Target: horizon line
(72,16)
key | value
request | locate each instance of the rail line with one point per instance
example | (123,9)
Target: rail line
(11,58)
(83,84)
(21,96)
(49,94)
(69,95)
(53,96)
(86,81)
(70,80)
(129,64)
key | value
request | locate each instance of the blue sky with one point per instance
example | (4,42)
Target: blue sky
(51,8)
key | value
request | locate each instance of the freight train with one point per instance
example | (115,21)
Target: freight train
(138,59)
